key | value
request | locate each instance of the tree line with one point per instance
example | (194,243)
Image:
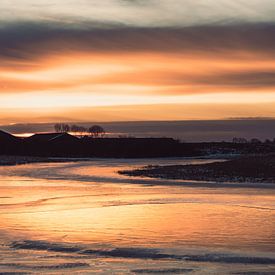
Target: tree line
(253,140)
(93,131)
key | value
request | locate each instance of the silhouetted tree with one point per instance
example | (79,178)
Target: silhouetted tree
(57,127)
(96,131)
(239,140)
(66,128)
(255,141)
(74,128)
(62,128)
(80,130)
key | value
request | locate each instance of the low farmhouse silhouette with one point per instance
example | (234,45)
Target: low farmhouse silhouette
(67,145)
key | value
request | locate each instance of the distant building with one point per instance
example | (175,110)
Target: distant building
(52,144)
(8,143)
(6,137)
(52,138)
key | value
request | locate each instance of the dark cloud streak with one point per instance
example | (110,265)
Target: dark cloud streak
(28,41)
(251,79)
(239,79)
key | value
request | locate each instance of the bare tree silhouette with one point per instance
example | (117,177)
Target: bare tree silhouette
(62,128)
(96,131)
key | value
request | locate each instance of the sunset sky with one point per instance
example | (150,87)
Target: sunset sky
(111,60)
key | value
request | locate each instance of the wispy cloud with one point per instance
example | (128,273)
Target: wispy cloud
(139,12)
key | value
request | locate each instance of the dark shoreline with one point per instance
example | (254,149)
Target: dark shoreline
(6,160)
(17,160)
(249,169)
(168,175)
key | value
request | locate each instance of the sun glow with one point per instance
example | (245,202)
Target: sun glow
(83,79)
(54,100)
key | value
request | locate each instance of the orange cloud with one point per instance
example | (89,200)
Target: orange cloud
(93,68)
(159,73)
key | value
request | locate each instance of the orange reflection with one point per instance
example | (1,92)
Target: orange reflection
(123,214)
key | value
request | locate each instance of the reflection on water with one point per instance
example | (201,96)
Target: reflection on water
(84,217)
